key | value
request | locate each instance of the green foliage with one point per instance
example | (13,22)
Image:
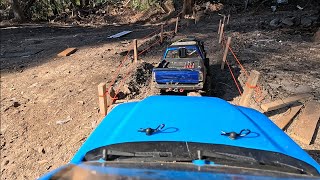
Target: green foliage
(4,4)
(48,9)
(143,5)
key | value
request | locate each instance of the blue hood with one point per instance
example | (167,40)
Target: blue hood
(196,119)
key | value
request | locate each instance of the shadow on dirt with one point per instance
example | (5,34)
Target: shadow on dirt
(223,85)
(32,45)
(315,154)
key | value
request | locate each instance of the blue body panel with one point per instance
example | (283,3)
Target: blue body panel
(194,119)
(181,76)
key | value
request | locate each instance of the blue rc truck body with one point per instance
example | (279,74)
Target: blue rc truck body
(181,137)
(184,66)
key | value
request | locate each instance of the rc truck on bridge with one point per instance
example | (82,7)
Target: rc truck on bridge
(184,67)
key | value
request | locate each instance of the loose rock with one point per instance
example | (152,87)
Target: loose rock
(61,122)
(81,102)
(6,162)
(275,22)
(288,21)
(306,22)
(16,104)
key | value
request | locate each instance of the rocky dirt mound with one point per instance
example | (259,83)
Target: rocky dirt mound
(137,83)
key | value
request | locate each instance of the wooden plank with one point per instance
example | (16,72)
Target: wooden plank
(249,88)
(67,52)
(119,34)
(283,121)
(284,102)
(307,122)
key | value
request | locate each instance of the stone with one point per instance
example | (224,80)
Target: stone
(316,36)
(306,22)
(64,121)
(288,21)
(42,161)
(16,104)
(81,102)
(125,89)
(275,22)
(41,150)
(4,163)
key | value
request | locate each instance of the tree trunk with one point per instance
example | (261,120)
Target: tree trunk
(187,7)
(18,15)
(26,10)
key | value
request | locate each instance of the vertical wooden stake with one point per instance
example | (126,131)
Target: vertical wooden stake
(177,23)
(224,19)
(135,51)
(161,34)
(228,19)
(249,88)
(219,26)
(102,99)
(221,33)
(225,53)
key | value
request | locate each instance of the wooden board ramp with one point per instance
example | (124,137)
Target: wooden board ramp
(119,34)
(67,52)
(307,122)
(288,116)
(284,102)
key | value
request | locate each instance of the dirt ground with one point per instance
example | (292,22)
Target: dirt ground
(49,104)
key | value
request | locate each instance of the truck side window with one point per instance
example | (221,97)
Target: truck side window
(192,53)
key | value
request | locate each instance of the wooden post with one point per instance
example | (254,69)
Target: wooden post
(135,51)
(219,26)
(177,23)
(228,19)
(161,34)
(221,33)
(225,53)
(224,19)
(102,98)
(249,88)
